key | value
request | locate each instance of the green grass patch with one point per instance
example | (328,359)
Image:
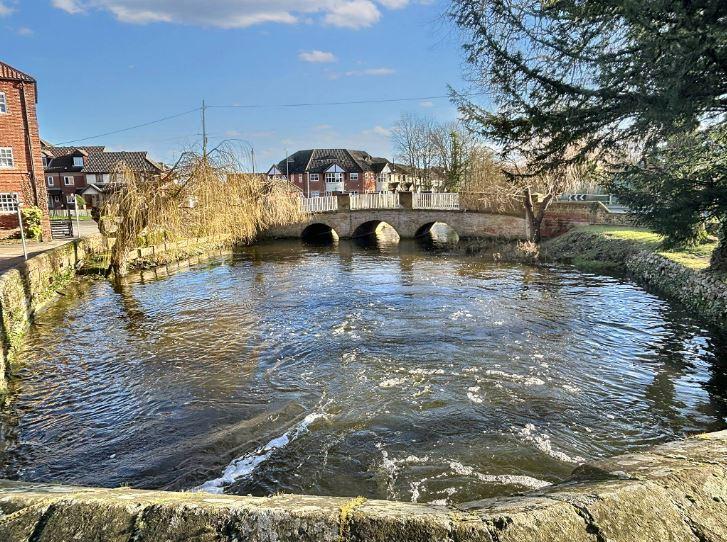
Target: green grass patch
(693,257)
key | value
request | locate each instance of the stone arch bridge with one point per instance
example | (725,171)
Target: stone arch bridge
(408,222)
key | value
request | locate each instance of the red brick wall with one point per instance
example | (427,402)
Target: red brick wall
(366,182)
(12,134)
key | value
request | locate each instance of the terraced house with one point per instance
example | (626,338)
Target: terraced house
(88,172)
(329,171)
(21,168)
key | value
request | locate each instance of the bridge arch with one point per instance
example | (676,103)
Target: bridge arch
(426,229)
(369,229)
(319,233)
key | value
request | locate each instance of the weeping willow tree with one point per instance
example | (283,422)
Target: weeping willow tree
(200,196)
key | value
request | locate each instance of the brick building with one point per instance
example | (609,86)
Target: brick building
(21,166)
(88,172)
(326,171)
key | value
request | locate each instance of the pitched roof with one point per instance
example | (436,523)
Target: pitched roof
(97,160)
(8,72)
(319,160)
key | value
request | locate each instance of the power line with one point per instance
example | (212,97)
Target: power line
(264,106)
(131,127)
(351,102)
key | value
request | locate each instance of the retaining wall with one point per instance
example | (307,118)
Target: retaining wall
(675,492)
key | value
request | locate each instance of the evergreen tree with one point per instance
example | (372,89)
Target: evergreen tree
(570,80)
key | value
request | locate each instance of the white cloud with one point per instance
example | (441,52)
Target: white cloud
(235,13)
(316,56)
(375,72)
(25,31)
(69,6)
(381,131)
(394,4)
(5,10)
(426,103)
(353,14)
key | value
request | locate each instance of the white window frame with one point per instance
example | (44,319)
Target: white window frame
(78,161)
(50,180)
(105,178)
(315,194)
(334,177)
(353,176)
(71,198)
(7,160)
(8,202)
(66,179)
(90,178)
(3,103)
(314,177)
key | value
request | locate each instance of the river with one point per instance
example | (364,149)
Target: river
(387,371)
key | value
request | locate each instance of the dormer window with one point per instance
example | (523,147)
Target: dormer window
(354,176)
(78,161)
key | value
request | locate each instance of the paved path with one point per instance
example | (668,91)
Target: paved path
(11,251)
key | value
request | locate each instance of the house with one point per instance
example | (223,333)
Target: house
(21,166)
(88,172)
(326,171)
(317,172)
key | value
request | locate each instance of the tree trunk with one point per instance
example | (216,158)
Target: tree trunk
(535,219)
(718,261)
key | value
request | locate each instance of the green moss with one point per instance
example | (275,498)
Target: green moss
(595,266)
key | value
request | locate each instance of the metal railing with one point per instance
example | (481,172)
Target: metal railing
(381,200)
(319,204)
(444,201)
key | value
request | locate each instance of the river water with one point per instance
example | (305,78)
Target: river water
(386,371)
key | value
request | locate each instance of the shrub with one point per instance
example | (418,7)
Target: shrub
(32,218)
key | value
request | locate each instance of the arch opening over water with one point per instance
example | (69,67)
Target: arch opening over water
(375,233)
(319,234)
(437,234)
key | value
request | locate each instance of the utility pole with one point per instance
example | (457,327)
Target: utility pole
(204,131)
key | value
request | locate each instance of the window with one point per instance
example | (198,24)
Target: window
(354,176)
(90,178)
(105,177)
(68,181)
(78,161)
(314,177)
(3,103)
(315,194)
(334,177)
(71,198)
(50,180)
(6,157)
(45,161)
(8,202)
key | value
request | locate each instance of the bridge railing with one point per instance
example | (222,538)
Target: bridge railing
(445,201)
(381,200)
(319,204)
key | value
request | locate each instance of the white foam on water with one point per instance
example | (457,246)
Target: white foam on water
(246,465)
(525,380)
(506,479)
(571,389)
(530,434)
(392,383)
(426,371)
(473,394)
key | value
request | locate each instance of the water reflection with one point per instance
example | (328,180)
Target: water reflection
(379,368)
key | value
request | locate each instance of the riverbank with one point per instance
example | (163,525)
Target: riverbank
(676,491)
(679,275)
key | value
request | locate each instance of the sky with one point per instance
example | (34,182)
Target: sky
(106,65)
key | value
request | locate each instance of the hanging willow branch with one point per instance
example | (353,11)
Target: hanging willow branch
(200,196)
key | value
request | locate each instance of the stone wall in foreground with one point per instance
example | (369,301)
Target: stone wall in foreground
(675,492)
(698,290)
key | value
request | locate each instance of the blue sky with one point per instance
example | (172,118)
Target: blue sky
(104,65)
